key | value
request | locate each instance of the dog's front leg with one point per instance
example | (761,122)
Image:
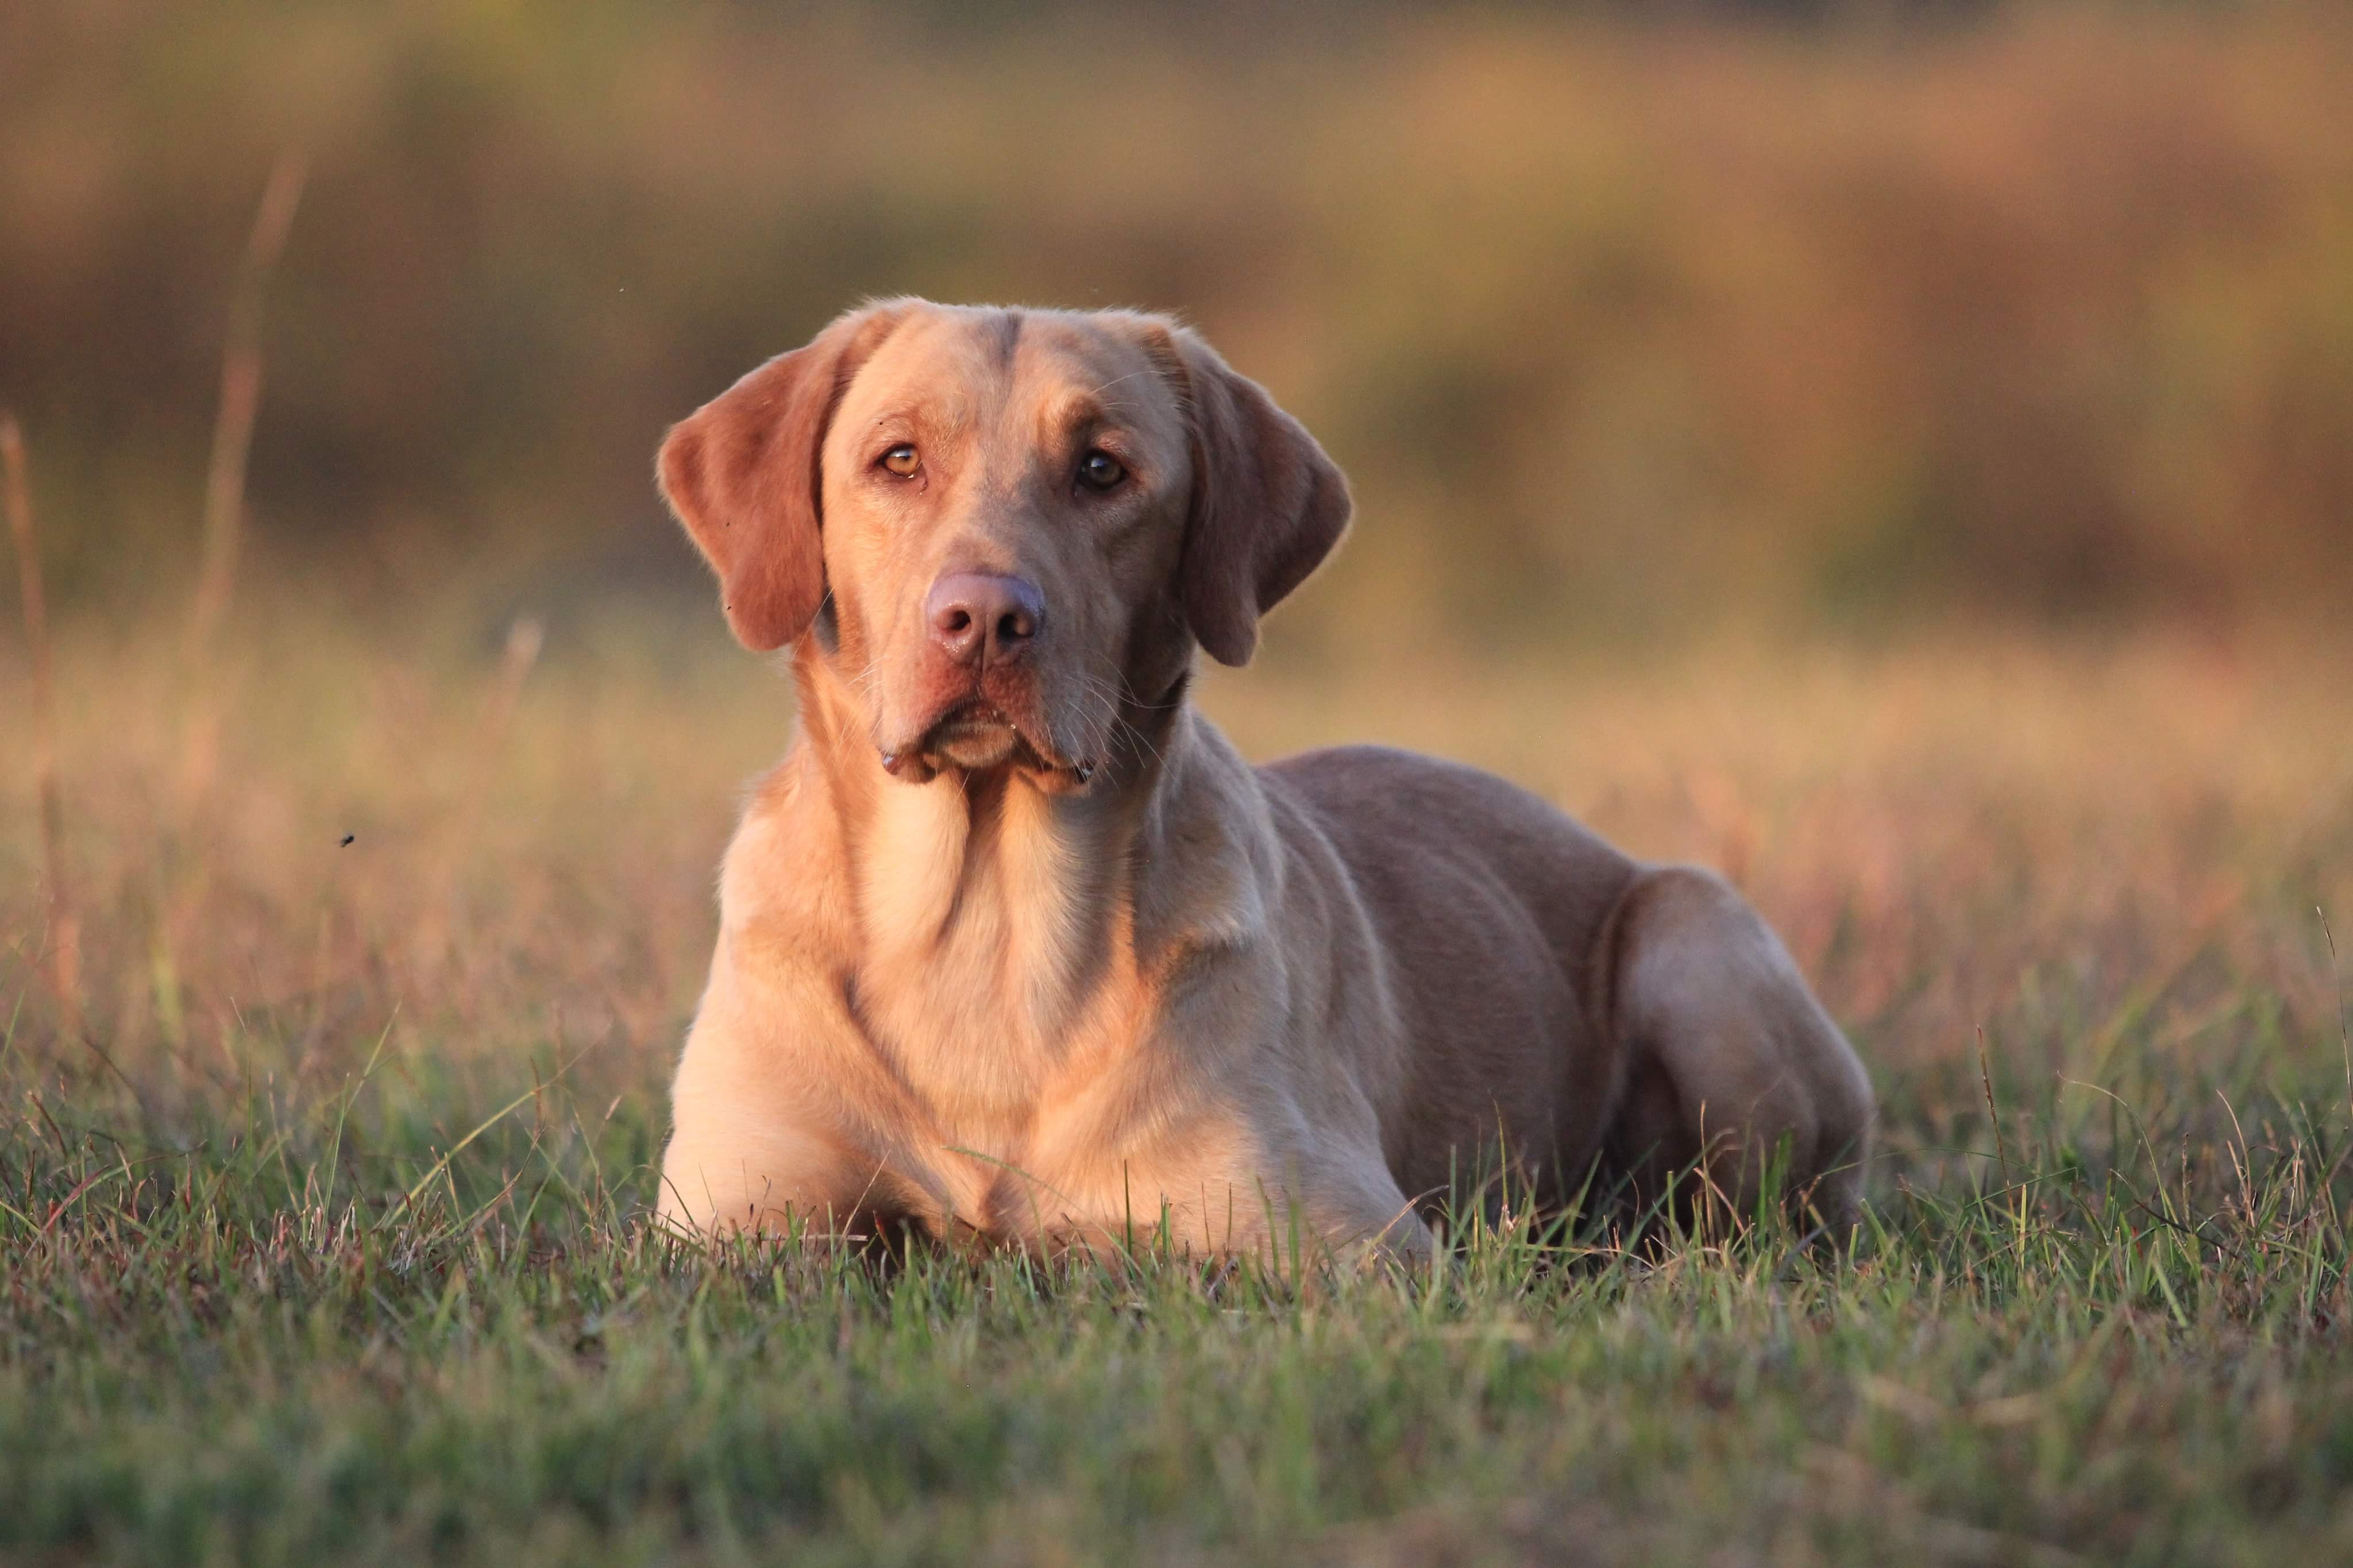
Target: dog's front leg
(762,1116)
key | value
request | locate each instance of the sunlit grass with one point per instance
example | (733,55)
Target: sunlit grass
(329,1240)
(310,1335)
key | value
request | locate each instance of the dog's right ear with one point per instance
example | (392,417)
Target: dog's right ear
(742,474)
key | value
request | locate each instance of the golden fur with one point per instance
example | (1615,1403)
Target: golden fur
(1021,950)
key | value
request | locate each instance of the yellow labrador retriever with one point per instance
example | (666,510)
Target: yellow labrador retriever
(1014,947)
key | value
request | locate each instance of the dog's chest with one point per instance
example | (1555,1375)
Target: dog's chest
(982,966)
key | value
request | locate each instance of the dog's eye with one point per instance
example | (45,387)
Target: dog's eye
(1099,470)
(902,460)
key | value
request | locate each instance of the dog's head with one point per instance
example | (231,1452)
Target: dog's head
(997,527)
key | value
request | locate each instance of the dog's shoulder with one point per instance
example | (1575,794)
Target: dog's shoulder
(782,871)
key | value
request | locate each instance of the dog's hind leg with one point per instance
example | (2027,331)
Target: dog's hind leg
(1732,1062)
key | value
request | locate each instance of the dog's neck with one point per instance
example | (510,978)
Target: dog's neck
(997,920)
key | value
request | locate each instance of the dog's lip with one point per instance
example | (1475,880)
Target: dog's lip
(1032,752)
(972,713)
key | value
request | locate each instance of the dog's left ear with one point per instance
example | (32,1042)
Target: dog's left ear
(1268,505)
(741,473)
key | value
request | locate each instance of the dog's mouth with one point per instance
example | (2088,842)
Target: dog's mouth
(977,735)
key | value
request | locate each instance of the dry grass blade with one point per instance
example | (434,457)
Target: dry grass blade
(64,923)
(2343,1030)
(1993,1111)
(224,524)
(241,400)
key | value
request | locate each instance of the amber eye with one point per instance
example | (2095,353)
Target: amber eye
(902,460)
(1099,470)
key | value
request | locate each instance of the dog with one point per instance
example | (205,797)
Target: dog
(1016,950)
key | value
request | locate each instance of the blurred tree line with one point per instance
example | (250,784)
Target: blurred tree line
(1613,314)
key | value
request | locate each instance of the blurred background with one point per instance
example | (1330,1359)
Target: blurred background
(1623,318)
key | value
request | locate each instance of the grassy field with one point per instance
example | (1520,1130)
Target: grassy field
(324,1239)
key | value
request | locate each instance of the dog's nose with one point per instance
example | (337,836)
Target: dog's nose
(979,617)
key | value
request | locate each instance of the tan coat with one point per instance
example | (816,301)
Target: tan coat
(1014,946)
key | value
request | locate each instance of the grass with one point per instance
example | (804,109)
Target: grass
(327,1241)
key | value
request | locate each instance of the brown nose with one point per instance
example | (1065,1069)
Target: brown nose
(979,617)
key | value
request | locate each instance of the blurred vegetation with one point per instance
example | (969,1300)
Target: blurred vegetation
(2042,310)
